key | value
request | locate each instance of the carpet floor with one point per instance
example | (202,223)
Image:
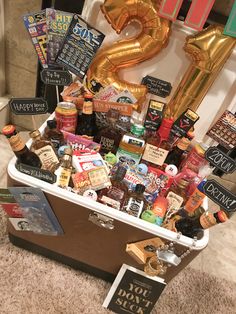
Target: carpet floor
(34,284)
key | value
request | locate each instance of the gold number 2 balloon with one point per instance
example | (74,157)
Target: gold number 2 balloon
(209,50)
(151,40)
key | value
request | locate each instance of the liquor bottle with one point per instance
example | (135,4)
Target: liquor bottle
(45,151)
(52,134)
(158,146)
(87,121)
(64,170)
(135,137)
(196,199)
(195,158)
(22,152)
(177,195)
(136,203)
(109,137)
(192,226)
(175,155)
(115,195)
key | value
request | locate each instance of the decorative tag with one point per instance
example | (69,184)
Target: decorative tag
(133,292)
(230,28)
(169,9)
(105,106)
(28,106)
(184,123)
(80,45)
(37,173)
(220,195)
(154,115)
(156,86)
(56,77)
(198,13)
(224,130)
(220,160)
(154,154)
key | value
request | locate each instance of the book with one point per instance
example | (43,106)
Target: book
(57,26)
(133,291)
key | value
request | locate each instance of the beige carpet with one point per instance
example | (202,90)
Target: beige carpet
(32,284)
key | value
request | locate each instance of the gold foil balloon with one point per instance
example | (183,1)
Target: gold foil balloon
(209,50)
(126,53)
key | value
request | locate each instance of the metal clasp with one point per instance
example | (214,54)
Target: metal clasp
(101,220)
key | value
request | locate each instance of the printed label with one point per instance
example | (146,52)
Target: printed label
(63,177)
(47,156)
(105,106)
(134,207)
(88,107)
(128,157)
(16,143)
(155,155)
(207,220)
(174,201)
(154,115)
(107,143)
(184,123)
(109,201)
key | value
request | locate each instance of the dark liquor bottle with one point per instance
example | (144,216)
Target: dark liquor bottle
(192,226)
(52,134)
(136,203)
(175,155)
(115,195)
(87,121)
(22,152)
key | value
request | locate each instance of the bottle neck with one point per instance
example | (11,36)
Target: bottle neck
(87,107)
(17,143)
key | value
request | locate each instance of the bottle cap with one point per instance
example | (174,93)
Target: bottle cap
(68,151)
(222,216)
(35,133)
(52,124)
(172,170)
(120,173)
(183,143)
(8,129)
(139,188)
(137,129)
(89,96)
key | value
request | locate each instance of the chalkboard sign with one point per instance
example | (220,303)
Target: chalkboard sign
(156,86)
(220,195)
(220,160)
(56,77)
(37,173)
(28,106)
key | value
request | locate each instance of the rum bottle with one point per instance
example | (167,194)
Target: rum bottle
(175,155)
(22,152)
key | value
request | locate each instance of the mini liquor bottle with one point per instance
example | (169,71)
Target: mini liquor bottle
(177,195)
(22,152)
(192,226)
(109,137)
(175,155)
(63,172)
(52,134)
(115,195)
(45,151)
(87,121)
(136,203)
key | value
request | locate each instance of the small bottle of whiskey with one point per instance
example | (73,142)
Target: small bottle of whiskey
(44,149)
(22,152)
(63,172)
(52,134)
(136,202)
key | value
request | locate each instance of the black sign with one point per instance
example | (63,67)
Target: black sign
(41,174)
(156,86)
(184,123)
(56,77)
(28,106)
(154,115)
(220,160)
(218,194)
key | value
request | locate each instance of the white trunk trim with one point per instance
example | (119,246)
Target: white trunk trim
(2,49)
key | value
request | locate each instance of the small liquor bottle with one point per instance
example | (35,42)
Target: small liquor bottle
(63,172)
(45,151)
(175,155)
(177,195)
(22,152)
(191,227)
(115,195)
(109,137)
(136,202)
(87,121)
(52,134)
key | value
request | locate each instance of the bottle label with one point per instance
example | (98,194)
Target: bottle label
(134,207)
(207,220)
(16,143)
(47,156)
(154,154)
(194,201)
(88,107)
(55,142)
(63,177)
(174,201)
(107,143)
(128,157)
(110,201)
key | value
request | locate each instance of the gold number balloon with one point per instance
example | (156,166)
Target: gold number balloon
(209,50)
(126,53)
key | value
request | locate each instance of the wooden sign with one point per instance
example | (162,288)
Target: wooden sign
(28,106)
(37,173)
(156,86)
(56,77)
(220,160)
(220,195)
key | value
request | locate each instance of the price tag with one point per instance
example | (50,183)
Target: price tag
(56,77)
(220,160)
(37,173)
(220,195)
(28,106)
(156,86)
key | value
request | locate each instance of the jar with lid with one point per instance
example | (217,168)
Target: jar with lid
(66,116)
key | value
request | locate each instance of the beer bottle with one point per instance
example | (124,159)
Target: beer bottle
(22,152)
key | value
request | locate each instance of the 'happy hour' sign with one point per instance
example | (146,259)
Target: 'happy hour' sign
(28,106)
